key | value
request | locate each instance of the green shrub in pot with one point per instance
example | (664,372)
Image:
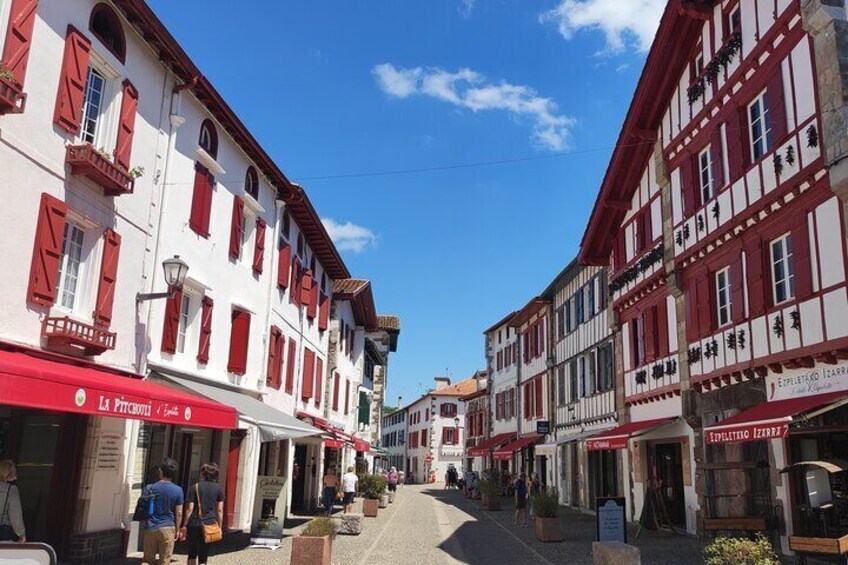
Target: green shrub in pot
(372,486)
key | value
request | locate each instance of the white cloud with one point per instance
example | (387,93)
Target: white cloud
(348,236)
(469,89)
(466,7)
(622,22)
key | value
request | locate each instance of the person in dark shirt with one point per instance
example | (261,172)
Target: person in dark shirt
(521,500)
(161,528)
(208,510)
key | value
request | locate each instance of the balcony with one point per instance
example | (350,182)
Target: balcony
(12,98)
(65,332)
(87,162)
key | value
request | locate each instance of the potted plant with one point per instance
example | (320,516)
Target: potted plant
(546,505)
(314,546)
(740,551)
(490,487)
(371,487)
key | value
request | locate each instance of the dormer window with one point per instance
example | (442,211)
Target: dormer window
(251,183)
(209,139)
(106,26)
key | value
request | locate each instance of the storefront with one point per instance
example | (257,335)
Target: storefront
(572,472)
(520,452)
(483,451)
(68,424)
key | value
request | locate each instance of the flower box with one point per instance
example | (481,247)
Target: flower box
(308,550)
(65,332)
(370,506)
(547,529)
(87,162)
(12,98)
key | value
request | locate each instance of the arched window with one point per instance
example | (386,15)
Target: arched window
(106,26)
(209,138)
(251,183)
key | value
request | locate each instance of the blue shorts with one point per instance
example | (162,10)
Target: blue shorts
(348,497)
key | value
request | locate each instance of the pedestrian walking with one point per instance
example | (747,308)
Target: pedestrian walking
(161,531)
(521,501)
(392,479)
(349,481)
(12,516)
(535,490)
(205,507)
(331,487)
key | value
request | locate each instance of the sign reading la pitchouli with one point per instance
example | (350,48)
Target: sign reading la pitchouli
(821,379)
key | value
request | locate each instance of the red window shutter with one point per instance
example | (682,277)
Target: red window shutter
(648,224)
(527,393)
(755,260)
(239,339)
(290,366)
(126,126)
(305,287)
(201,200)
(324,313)
(705,303)
(689,176)
(308,374)
(237,228)
(47,251)
(444,436)
(108,276)
(335,392)
(802,266)
(205,329)
(777,107)
(312,307)
(171,325)
(718,161)
(737,290)
(284,266)
(347,396)
(650,335)
(259,247)
(294,291)
(662,328)
(539,404)
(272,374)
(71,95)
(19,38)
(319,381)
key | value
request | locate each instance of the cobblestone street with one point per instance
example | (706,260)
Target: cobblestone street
(428,525)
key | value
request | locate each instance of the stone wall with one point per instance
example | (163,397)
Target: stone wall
(95,547)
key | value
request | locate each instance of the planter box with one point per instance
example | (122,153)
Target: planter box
(311,551)
(85,161)
(370,506)
(384,501)
(12,98)
(547,529)
(492,503)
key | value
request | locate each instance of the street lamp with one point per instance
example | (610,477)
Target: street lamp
(175,273)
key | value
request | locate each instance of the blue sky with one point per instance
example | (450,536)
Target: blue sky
(336,87)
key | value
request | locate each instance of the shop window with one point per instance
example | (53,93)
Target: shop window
(705,162)
(208,140)
(722,282)
(783,275)
(106,27)
(760,126)
(93,107)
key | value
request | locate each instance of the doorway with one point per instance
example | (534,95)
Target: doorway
(603,475)
(668,480)
(299,478)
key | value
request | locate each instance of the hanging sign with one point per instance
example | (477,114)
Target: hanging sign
(821,379)
(611,523)
(543,427)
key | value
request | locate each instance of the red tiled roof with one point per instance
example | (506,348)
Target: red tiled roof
(462,388)
(388,323)
(358,292)
(532,307)
(349,287)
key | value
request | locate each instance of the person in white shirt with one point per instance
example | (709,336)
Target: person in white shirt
(349,481)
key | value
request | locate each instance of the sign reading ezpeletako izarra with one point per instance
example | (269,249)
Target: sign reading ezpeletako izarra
(821,379)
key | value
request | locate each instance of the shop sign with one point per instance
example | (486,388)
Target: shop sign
(808,382)
(109,451)
(747,432)
(269,510)
(543,427)
(611,524)
(606,443)
(123,406)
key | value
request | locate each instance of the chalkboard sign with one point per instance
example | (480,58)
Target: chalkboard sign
(612,525)
(543,427)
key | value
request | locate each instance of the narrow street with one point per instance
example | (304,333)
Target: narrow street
(427,525)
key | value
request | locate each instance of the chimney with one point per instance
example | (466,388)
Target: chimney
(442,382)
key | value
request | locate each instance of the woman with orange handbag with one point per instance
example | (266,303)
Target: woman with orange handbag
(204,515)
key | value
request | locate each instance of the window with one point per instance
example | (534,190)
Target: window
(106,27)
(581,376)
(568,317)
(251,183)
(209,139)
(606,371)
(572,388)
(560,316)
(578,307)
(736,20)
(591,381)
(760,124)
(636,340)
(561,385)
(723,296)
(185,310)
(95,94)
(699,65)
(71,267)
(783,275)
(423,438)
(590,298)
(450,436)
(705,162)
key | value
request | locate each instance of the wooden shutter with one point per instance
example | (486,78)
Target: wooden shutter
(736,149)
(650,334)
(737,290)
(284,265)
(347,396)
(259,247)
(237,228)
(324,313)
(239,339)
(776,107)
(312,307)
(108,276)
(294,291)
(19,38)
(802,265)
(648,225)
(72,80)
(207,304)
(171,325)
(319,381)
(290,366)
(47,251)
(755,278)
(705,284)
(126,125)
(444,436)
(691,298)
(687,184)
(308,374)
(201,200)
(336,392)
(537,385)
(306,287)
(272,377)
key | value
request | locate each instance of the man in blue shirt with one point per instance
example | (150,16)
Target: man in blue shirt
(521,501)
(161,530)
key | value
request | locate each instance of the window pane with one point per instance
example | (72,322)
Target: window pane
(184,312)
(69,266)
(92,105)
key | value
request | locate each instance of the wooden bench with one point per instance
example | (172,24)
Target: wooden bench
(757,524)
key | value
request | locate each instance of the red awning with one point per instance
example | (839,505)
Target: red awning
(34,382)
(769,420)
(485,446)
(333,443)
(361,445)
(617,438)
(505,452)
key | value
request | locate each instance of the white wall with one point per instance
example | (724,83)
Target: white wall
(504,379)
